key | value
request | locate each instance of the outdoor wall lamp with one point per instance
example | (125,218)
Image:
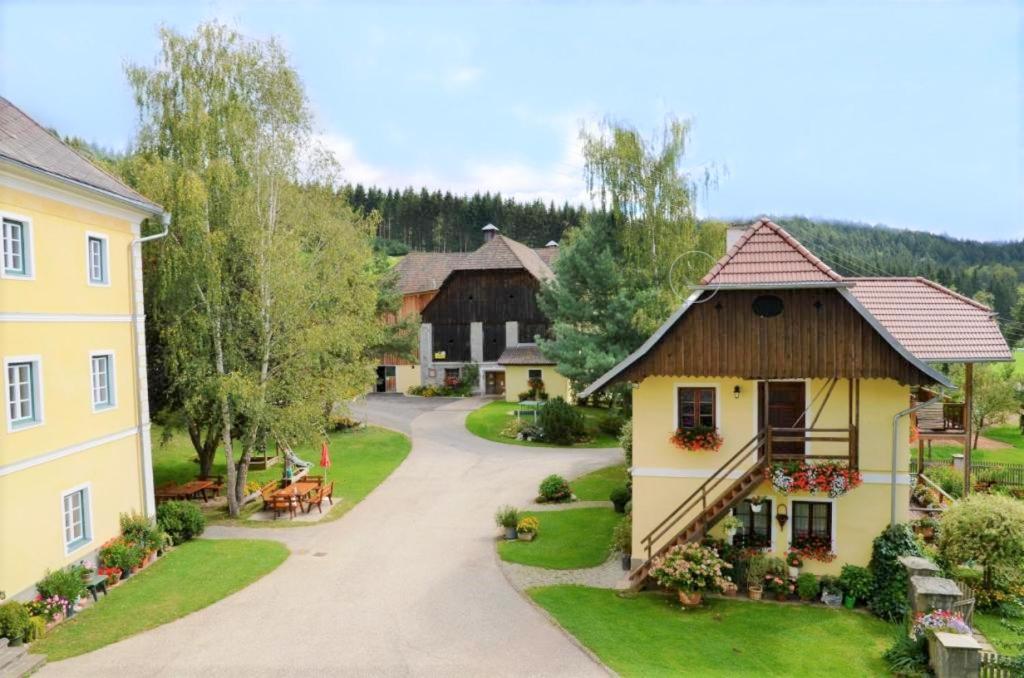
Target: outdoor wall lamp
(782,515)
(736,391)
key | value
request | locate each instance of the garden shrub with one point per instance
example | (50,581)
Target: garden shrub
(555,488)
(907,656)
(36,629)
(122,554)
(14,621)
(626,441)
(986,529)
(622,536)
(948,478)
(561,422)
(181,519)
(856,581)
(67,583)
(619,497)
(889,590)
(807,586)
(141,531)
(757,569)
(611,423)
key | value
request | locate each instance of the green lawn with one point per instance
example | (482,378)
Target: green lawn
(649,635)
(361,460)
(187,579)
(1007,434)
(489,421)
(567,539)
(1002,638)
(598,485)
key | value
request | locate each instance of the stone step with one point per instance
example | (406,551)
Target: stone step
(28,664)
(10,655)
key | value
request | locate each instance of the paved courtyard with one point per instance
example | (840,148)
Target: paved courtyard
(407,583)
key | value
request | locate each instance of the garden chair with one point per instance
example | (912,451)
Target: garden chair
(319,480)
(267,493)
(280,504)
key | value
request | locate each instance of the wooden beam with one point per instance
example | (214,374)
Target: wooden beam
(968,423)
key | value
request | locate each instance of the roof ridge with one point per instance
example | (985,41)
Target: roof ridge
(955,294)
(753,229)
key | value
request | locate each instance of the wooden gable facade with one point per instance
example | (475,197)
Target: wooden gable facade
(817,333)
(491,297)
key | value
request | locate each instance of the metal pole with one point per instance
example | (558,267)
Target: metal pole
(968,424)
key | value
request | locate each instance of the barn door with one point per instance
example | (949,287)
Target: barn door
(786,403)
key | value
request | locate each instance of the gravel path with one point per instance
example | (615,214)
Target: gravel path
(609,575)
(406,584)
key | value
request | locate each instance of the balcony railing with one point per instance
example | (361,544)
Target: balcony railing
(823,444)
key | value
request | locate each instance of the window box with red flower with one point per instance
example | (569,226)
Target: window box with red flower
(697,438)
(833,478)
(811,547)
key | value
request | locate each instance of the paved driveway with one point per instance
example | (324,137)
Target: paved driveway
(407,583)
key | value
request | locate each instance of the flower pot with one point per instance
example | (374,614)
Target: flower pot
(126,573)
(849,602)
(756,508)
(511,534)
(794,572)
(729,534)
(526,536)
(69,610)
(690,598)
(627,562)
(731,590)
(15,642)
(781,596)
(755,592)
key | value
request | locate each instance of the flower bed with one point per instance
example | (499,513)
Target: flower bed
(698,438)
(940,620)
(806,547)
(832,478)
(690,567)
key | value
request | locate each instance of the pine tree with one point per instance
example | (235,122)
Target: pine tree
(591,308)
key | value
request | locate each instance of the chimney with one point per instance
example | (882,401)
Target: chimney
(551,243)
(490,230)
(732,234)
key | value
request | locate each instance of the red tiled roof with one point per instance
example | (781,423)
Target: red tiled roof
(766,254)
(934,323)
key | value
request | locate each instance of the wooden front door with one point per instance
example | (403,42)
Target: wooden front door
(494,383)
(786,403)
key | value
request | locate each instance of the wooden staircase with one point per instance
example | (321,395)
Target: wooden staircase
(708,504)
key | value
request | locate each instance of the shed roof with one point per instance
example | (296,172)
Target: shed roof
(524,354)
(26,143)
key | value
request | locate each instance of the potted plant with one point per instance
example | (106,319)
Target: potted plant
(622,542)
(757,568)
(807,587)
(508,518)
(794,561)
(690,569)
(776,580)
(619,497)
(526,528)
(756,502)
(856,583)
(731,524)
(730,589)
(926,528)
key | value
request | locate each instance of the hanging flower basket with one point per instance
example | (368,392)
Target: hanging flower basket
(832,478)
(698,438)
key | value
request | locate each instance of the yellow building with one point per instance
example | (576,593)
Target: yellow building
(777,369)
(75,442)
(524,363)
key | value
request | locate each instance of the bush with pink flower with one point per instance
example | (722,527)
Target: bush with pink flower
(691,567)
(940,620)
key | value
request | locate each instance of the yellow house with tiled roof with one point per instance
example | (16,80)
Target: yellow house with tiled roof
(74,441)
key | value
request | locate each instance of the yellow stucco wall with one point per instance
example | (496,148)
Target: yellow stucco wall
(517,378)
(406,376)
(664,476)
(59,318)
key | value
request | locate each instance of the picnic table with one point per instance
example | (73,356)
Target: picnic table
(291,497)
(189,490)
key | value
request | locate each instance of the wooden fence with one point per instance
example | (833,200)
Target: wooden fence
(1004,474)
(990,667)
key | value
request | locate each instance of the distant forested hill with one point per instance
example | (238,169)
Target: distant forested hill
(442,222)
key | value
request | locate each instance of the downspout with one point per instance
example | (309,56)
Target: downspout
(141,406)
(895,448)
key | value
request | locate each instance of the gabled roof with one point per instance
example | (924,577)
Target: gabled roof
(425,271)
(505,253)
(524,354)
(25,143)
(935,323)
(923,321)
(548,253)
(767,254)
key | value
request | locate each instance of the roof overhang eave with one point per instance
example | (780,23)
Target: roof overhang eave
(815,284)
(149,208)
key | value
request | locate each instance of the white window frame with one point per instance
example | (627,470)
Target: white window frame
(811,500)
(111,381)
(87,532)
(37,393)
(28,254)
(718,402)
(105,240)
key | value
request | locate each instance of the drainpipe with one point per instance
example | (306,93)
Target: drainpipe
(895,448)
(145,447)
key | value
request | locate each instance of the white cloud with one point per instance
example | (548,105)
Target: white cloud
(560,181)
(462,76)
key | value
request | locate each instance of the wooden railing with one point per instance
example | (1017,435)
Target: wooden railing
(775,435)
(940,418)
(699,497)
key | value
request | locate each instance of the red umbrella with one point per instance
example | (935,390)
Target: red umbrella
(325,459)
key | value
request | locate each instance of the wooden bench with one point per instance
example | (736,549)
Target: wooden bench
(96,583)
(318,495)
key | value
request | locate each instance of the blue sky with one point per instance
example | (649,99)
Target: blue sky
(905,114)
